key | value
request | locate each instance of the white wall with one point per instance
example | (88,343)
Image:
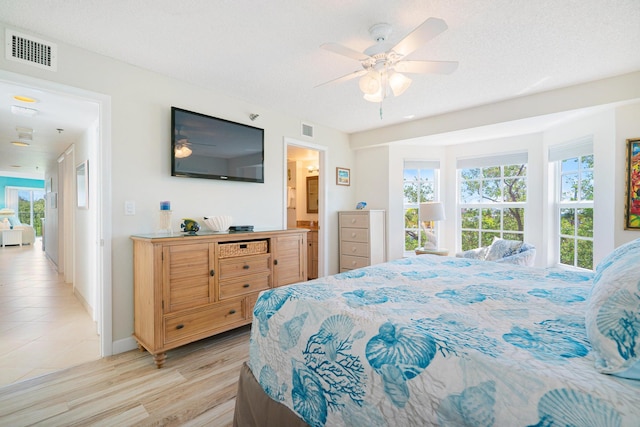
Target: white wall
(139,141)
(627,127)
(85,239)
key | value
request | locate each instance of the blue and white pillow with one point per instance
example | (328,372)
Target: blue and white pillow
(613,313)
(501,248)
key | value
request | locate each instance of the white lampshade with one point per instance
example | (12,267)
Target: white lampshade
(375,97)
(431,211)
(399,83)
(370,83)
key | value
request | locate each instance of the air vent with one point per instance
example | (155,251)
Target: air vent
(31,50)
(307,130)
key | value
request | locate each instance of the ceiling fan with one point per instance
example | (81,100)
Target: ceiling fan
(383,65)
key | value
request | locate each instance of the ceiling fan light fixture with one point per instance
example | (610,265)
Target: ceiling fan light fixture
(374,97)
(370,83)
(399,83)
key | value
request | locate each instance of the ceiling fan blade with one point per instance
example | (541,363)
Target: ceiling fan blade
(344,78)
(425,32)
(345,51)
(437,67)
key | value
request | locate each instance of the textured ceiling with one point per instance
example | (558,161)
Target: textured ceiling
(267,52)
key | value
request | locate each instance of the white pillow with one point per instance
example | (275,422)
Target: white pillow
(501,248)
(613,314)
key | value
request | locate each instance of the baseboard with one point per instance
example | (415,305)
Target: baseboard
(123,345)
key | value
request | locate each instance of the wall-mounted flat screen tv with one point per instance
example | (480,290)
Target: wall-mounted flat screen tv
(208,147)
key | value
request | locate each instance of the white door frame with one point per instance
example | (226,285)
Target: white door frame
(323,265)
(104,313)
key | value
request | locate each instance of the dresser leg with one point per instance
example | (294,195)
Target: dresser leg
(159,359)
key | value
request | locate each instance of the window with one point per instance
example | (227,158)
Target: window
(29,205)
(493,194)
(575,211)
(420,185)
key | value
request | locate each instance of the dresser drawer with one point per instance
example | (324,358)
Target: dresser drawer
(354,234)
(202,321)
(245,285)
(354,248)
(351,262)
(234,267)
(353,220)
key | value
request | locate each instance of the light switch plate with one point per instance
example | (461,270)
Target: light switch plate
(129,208)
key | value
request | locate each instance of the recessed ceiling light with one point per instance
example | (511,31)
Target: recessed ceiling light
(23,111)
(20,143)
(23,98)
(410,116)
(15,166)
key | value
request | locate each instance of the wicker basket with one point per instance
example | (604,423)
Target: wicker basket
(228,250)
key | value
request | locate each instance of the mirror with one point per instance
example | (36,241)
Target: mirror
(82,185)
(312,194)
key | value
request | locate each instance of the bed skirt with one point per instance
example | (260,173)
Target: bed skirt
(254,408)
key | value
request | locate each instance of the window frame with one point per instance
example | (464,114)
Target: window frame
(576,205)
(418,165)
(499,161)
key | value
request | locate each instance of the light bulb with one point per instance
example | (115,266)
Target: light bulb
(399,83)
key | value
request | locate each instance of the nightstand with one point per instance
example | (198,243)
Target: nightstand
(441,251)
(11,237)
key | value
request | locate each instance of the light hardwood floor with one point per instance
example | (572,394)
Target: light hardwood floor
(196,387)
(43,326)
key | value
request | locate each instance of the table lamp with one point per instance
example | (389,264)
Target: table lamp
(429,213)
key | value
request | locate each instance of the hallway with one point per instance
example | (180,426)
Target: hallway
(43,326)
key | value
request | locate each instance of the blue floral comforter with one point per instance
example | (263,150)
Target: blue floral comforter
(437,341)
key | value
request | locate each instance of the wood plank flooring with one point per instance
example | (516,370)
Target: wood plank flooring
(196,387)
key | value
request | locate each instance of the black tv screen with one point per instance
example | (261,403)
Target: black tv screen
(209,147)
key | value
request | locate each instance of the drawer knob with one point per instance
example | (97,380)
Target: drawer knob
(211,273)
(232,312)
(353,234)
(353,263)
(354,249)
(246,285)
(353,220)
(246,267)
(180,326)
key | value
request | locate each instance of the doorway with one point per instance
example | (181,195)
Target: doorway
(305,204)
(97,223)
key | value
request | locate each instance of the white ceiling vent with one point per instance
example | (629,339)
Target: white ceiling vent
(31,50)
(307,130)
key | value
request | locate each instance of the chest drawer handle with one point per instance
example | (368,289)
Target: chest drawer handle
(211,273)
(246,285)
(246,267)
(353,234)
(180,326)
(232,312)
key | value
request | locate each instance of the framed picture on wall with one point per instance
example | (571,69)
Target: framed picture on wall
(632,202)
(343,176)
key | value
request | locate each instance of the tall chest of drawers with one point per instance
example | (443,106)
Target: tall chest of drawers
(362,238)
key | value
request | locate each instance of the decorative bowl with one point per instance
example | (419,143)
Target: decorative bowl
(218,223)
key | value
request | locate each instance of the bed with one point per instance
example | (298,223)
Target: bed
(9,219)
(432,340)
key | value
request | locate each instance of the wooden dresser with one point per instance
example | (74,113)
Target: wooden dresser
(191,287)
(362,238)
